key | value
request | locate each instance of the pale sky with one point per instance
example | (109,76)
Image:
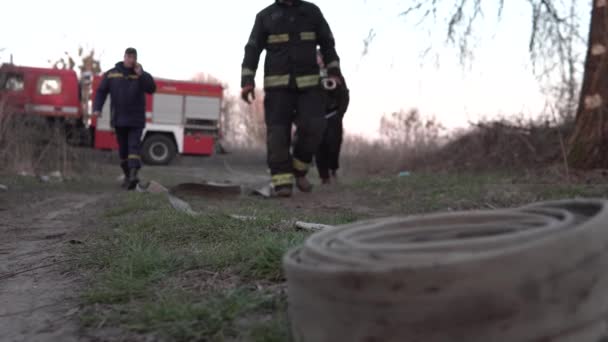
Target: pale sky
(176,39)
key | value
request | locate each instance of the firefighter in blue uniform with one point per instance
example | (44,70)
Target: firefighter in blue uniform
(327,157)
(290,31)
(127,84)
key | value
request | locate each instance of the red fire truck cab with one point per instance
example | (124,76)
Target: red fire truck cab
(41,91)
(182,117)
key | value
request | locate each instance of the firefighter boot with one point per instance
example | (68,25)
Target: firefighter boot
(334,176)
(303,184)
(125,172)
(133,180)
(283,191)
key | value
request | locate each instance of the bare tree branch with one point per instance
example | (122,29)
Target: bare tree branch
(553,43)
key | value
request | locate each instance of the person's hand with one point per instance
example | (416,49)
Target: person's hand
(248,94)
(138,69)
(97,114)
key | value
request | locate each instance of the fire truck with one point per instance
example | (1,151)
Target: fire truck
(182,117)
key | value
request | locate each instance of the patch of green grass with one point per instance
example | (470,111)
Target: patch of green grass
(561,191)
(425,193)
(136,260)
(131,203)
(239,314)
(147,243)
(438,192)
(182,318)
(262,258)
(32,183)
(274,330)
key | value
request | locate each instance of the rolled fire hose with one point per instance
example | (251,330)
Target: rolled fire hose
(535,273)
(329,84)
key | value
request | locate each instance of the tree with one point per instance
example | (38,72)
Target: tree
(88,68)
(553,33)
(89,63)
(588,145)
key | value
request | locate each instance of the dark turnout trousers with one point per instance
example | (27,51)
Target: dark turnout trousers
(327,157)
(284,107)
(129,146)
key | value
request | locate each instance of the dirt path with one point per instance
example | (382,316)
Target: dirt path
(38,297)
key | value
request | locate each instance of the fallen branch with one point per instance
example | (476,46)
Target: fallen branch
(297,224)
(312,226)
(243,218)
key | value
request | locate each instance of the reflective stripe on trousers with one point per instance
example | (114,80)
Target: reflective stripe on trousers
(282,179)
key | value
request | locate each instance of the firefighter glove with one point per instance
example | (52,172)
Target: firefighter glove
(248,94)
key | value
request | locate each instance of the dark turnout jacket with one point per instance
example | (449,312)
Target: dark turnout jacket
(127,92)
(290,35)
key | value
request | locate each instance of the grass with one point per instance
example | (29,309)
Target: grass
(136,262)
(440,192)
(23,190)
(275,330)
(214,318)
(211,277)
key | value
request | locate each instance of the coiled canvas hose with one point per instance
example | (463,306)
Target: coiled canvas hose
(535,273)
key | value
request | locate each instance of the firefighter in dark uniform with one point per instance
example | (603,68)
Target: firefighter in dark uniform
(327,158)
(290,31)
(127,84)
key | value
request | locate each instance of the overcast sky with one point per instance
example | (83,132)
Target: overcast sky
(177,39)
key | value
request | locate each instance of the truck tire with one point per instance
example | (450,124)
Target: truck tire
(158,149)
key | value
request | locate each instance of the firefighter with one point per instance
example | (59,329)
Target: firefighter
(290,31)
(327,158)
(127,84)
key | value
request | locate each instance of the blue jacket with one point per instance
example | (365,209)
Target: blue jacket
(127,94)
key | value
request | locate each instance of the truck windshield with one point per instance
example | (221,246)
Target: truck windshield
(11,81)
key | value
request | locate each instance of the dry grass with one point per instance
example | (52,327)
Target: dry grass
(34,145)
(407,140)
(410,142)
(514,144)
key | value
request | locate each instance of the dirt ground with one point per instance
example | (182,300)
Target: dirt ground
(37,290)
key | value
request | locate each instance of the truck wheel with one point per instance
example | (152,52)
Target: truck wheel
(158,150)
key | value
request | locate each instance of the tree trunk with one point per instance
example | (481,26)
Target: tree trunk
(588,145)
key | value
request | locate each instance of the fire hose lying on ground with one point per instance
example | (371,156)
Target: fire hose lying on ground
(535,273)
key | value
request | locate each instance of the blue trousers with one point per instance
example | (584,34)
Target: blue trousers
(129,146)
